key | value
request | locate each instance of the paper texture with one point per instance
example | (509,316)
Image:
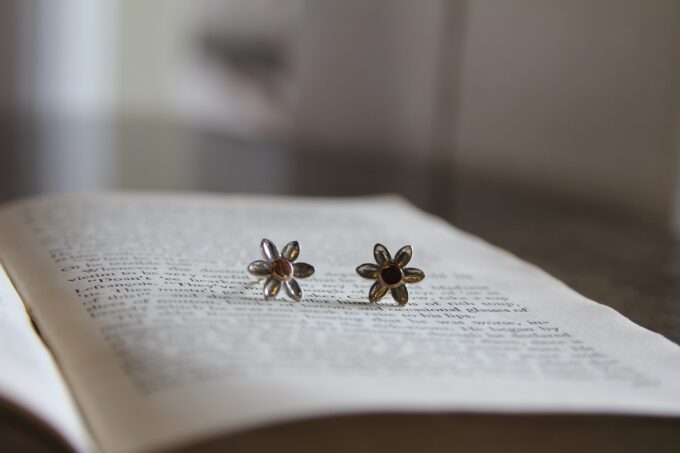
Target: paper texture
(165,338)
(30,379)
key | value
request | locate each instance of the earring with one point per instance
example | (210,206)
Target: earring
(390,274)
(280,270)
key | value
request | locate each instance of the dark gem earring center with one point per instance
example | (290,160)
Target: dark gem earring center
(391,275)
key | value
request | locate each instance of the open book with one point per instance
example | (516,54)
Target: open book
(128,322)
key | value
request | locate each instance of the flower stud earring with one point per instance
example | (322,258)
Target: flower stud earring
(390,274)
(280,269)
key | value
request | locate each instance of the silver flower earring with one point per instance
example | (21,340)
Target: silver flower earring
(390,274)
(280,269)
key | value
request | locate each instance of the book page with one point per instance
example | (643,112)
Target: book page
(165,338)
(30,379)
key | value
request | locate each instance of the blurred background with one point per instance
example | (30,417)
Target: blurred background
(571,100)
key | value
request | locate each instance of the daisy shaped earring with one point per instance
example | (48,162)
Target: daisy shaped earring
(279,269)
(390,274)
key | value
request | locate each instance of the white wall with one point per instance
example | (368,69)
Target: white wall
(368,73)
(577,97)
(155,38)
(573,96)
(67,77)
(73,51)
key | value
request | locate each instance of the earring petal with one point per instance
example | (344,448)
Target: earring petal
(413,275)
(400,294)
(259,268)
(271,288)
(293,290)
(291,251)
(368,270)
(381,254)
(269,250)
(403,256)
(302,270)
(377,292)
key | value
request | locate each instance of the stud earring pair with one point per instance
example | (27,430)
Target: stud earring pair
(279,269)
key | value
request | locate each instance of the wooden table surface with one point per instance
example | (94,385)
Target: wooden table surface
(611,258)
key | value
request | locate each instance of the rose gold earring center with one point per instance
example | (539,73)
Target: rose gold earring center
(282,269)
